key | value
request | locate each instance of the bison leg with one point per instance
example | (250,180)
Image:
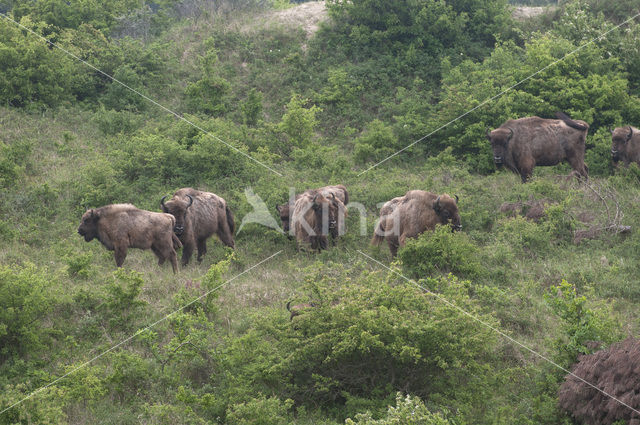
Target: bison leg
(120,253)
(187,251)
(202,248)
(579,166)
(393,247)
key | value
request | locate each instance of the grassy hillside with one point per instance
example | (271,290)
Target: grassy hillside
(319,95)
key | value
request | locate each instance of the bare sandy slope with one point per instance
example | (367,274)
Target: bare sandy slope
(306,16)
(525,12)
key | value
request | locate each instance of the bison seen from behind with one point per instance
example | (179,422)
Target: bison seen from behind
(311,218)
(522,144)
(122,226)
(198,216)
(412,214)
(625,145)
(337,226)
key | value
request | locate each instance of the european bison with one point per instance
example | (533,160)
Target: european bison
(199,215)
(336,217)
(412,214)
(297,309)
(522,144)
(625,145)
(311,218)
(122,226)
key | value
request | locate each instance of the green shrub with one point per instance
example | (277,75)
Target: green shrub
(25,300)
(122,303)
(407,411)
(580,323)
(376,142)
(298,123)
(441,251)
(79,264)
(260,411)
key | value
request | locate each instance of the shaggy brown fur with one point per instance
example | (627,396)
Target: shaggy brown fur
(411,215)
(522,144)
(311,218)
(625,145)
(122,226)
(532,209)
(337,226)
(615,371)
(296,310)
(199,215)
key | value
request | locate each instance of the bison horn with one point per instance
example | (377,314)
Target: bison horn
(488,134)
(289,306)
(162,201)
(277,207)
(333,196)
(314,198)
(610,130)
(457,199)
(630,133)
(436,205)
(190,201)
(511,135)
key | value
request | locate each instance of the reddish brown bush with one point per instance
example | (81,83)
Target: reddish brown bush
(615,371)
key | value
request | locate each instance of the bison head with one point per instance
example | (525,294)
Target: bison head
(619,141)
(446,208)
(177,208)
(499,139)
(89,224)
(337,213)
(285,216)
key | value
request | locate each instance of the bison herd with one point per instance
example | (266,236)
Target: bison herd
(317,216)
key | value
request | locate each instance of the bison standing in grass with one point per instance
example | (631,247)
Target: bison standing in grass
(522,144)
(625,145)
(337,193)
(312,214)
(122,226)
(198,216)
(412,214)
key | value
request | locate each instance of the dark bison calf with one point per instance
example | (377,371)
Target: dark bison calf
(122,226)
(522,144)
(199,215)
(412,214)
(625,145)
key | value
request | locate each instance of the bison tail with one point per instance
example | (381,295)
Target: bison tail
(377,234)
(230,221)
(176,242)
(571,123)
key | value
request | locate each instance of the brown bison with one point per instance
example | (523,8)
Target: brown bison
(199,215)
(522,144)
(410,215)
(311,217)
(625,145)
(336,216)
(296,310)
(122,226)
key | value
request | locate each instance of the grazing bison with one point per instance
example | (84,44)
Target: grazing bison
(336,216)
(199,215)
(122,226)
(311,216)
(522,144)
(625,145)
(297,309)
(412,214)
